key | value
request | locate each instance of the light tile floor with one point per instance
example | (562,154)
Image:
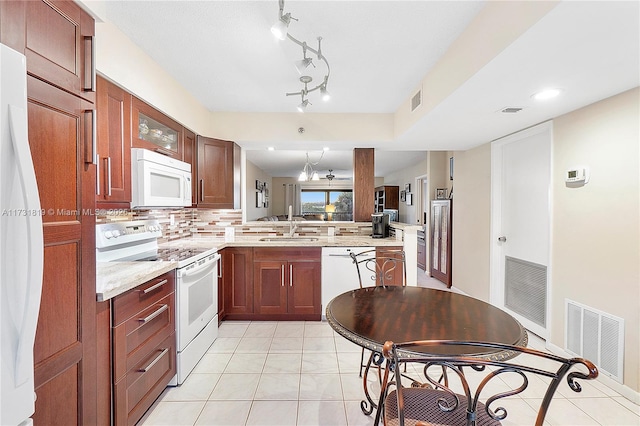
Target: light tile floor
(302,373)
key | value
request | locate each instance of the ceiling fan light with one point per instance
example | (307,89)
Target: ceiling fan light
(315,176)
(303,176)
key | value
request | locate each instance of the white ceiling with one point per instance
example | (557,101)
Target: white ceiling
(379,52)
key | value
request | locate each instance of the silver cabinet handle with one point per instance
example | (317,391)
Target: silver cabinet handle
(290,275)
(219,267)
(502,239)
(91,157)
(153,287)
(282,276)
(91,87)
(201,189)
(155,360)
(154,314)
(109,176)
(98,176)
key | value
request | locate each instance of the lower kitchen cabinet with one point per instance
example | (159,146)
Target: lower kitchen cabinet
(237,282)
(143,347)
(287,283)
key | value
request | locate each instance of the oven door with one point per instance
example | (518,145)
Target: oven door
(197,298)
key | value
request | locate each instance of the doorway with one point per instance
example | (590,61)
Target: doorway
(520,211)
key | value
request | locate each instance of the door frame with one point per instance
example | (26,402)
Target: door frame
(496,276)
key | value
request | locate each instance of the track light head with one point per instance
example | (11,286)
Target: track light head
(281,28)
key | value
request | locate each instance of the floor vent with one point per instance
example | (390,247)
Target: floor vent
(416,100)
(596,336)
(526,289)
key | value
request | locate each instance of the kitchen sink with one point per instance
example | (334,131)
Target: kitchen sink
(302,239)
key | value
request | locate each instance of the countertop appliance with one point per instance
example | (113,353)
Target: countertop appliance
(379,225)
(158,180)
(196,283)
(339,274)
(21,245)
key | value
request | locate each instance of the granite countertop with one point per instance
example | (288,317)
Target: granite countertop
(114,278)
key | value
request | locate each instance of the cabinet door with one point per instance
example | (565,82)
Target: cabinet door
(237,276)
(155,131)
(270,287)
(215,173)
(114,145)
(441,215)
(189,148)
(57,37)
(304,287)
(65,346)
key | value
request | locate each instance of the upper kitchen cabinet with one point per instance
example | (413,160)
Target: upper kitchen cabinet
(387,197)
(113,180)
(218,174)
(155,131)
(57,37)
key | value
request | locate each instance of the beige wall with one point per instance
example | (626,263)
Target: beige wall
(471,220)
(408,214)
(596,234)
(254,173)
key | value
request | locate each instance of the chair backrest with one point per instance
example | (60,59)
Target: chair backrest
(385,267)
(454,384)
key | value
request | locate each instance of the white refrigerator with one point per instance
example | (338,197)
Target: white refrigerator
(21,245)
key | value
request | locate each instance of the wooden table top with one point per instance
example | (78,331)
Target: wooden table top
(371,316)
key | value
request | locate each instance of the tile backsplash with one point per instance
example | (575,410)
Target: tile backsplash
(187,222)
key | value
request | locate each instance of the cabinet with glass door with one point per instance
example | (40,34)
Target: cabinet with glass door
(155,131)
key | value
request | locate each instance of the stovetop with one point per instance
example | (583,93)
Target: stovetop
(182,255)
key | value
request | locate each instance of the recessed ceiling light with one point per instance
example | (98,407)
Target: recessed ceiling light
(545,94)
(271,148)
(326,148)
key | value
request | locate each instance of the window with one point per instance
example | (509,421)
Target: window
(314,204)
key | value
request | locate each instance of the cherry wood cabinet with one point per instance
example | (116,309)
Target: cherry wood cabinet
(154,131)
(113,184)
(387,197)
(143,347)
(237,279)
(441,238)
(57,37)
(218,174)
(287,283)
(57,40)
(189,148)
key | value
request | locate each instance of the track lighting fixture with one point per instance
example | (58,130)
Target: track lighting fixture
(281,31)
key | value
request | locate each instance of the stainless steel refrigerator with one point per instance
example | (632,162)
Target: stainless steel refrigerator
(21,245)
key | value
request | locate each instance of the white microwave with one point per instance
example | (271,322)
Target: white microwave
(158,180)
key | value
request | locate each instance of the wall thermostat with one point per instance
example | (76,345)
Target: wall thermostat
(578,174)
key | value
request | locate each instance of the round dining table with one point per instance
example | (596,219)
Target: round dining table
(371,316)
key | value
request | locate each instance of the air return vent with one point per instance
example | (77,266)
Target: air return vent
(596,336)
(416,100)
(511,110)
(526,289)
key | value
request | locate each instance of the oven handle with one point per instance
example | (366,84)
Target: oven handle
(205,265)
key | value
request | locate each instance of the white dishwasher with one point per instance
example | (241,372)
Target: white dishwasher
(339,273)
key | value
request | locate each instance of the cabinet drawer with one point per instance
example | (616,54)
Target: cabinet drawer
(130,303)
(136,392)
(135,338)
(287,253)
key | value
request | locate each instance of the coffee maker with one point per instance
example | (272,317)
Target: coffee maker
(379,225)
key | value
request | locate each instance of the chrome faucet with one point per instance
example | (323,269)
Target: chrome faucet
(292,227)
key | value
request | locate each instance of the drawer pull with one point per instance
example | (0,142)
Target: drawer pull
(153,287)
(155,360)
(154,314)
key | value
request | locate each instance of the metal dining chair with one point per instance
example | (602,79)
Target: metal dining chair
(455,400)
(379,267)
